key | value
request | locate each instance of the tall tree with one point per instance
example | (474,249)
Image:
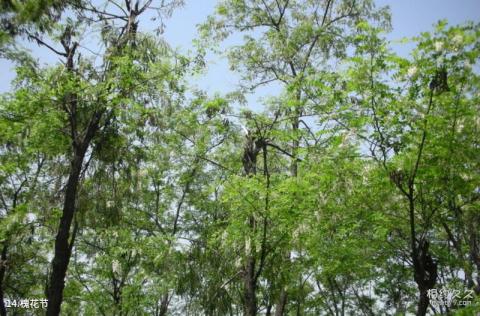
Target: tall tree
(427,95)
(285,43)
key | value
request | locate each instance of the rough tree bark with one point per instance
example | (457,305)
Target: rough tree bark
(251,150)
(63,244)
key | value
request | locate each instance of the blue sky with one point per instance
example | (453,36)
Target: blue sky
(409,18)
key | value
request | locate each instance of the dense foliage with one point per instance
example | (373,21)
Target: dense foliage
(125,190)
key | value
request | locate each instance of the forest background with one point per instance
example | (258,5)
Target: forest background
(239,157)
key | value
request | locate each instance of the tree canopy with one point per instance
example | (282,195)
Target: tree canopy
(125,189)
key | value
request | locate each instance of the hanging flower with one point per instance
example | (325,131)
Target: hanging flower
(438,46)
(30,217)
(116,268)
(238,262)
(248,246)
(412,71)
(224,236)
(457,39)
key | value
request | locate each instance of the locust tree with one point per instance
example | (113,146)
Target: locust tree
(417,132)
(284,44)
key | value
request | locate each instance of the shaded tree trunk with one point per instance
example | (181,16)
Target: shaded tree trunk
(63,242)
(268,312)
(282,302)
(164,305)
(63,246)
(250,288)
(283,298)
(425,268)
(474,252)
(3,263)
(251,150)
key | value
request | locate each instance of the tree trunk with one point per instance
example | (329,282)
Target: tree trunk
(3,263)
(425,269)
(282,302)
(164,305)
(269,310)
(423,302)
(249,160)
(250,288)
(474,249)
(62,244)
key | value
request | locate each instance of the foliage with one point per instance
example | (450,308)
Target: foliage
(355,190)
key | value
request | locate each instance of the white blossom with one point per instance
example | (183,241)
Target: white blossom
(460,125)
(110,204)
(412,71)
(30,217)
(238,262)
(301,229)
(457,39)
(224,236)
(438,46)
(116,267)
(248,246)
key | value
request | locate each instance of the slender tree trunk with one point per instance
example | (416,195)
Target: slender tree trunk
(474,250)
(425,268)
(250,288)
(164,305)
(3,263)
(283,298)
(249,160)
(269,310)
(62,243)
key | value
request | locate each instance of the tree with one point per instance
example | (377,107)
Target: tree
(288,42)
(413,124)
(87,101)
(352,190)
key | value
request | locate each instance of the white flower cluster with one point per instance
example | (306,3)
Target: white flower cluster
(438,46)
(412,71)
(116,268)
(248,246)
(457,39)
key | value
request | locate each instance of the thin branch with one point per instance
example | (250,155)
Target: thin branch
(283,151)
(41,42)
